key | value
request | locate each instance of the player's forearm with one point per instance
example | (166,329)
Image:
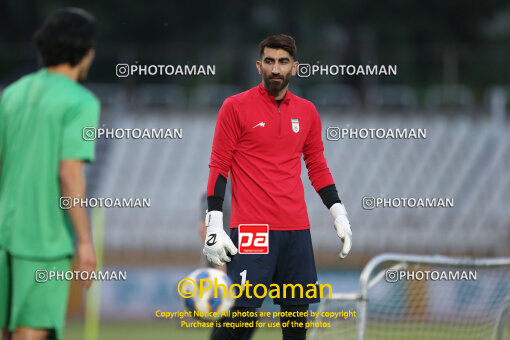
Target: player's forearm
(216,187)
(72,184)
(329,195)
(319,174)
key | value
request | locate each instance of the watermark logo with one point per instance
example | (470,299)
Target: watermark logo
(124,70)
(41,275)
(92,133)
(370,202)
(67,203)
(188,288)
(334,133)
(89,133)
(393,275)
(307,70)
(304,70)
(44,275)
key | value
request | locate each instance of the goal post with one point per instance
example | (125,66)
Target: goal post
(404,296)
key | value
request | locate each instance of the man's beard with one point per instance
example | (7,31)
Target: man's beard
(273,87)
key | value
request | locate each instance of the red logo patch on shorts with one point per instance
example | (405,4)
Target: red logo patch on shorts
(253,239)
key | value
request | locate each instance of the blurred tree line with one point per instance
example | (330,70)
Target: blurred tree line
(436,41)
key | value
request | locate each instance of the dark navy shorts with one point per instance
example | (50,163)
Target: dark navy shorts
(289,261)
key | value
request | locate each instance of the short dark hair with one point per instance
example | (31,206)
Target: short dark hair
(66,36)
(283,41)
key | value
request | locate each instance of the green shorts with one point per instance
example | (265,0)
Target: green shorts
(26,302)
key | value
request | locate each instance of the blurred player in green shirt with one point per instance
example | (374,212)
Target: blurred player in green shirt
(41,159)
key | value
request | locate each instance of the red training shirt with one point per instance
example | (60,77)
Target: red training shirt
(262,146)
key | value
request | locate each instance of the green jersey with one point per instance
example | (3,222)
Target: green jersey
(42,116)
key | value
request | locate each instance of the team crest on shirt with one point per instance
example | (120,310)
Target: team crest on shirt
(295,125)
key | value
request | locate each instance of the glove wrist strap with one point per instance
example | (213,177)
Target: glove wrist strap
(214,219)
(337,209)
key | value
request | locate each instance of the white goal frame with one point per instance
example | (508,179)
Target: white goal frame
(369,277)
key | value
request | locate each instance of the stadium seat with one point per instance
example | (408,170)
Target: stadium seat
(369,167)
(392,97)
(211,95)
(160,95)
(343,97)
(449,97)
(108,94)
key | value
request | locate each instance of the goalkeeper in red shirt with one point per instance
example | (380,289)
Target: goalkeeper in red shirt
(260,136)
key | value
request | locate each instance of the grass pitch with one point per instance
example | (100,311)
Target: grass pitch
(170,330)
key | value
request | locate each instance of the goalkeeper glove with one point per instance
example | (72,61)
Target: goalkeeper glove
(217,242)
(342,227)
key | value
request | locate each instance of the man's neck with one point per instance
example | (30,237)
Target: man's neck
(281,95)
(65,70)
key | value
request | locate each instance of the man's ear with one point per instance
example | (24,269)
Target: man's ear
(259,66)
(294,67)
(91,54)
(87,58)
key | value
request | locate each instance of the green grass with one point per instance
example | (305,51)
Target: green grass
(381,331)
(154,330)
(171,330)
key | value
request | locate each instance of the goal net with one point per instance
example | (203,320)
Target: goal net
(423,297)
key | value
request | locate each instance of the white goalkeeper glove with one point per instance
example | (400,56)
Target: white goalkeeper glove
(342,227)
(217,242)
